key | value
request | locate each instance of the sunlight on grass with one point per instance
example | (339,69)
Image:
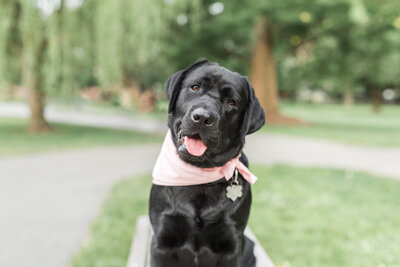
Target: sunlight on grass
(302,217)
(318,217)
(349,124)
(109,240)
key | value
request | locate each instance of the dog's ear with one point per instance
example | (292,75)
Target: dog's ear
(254,117)
(174,83)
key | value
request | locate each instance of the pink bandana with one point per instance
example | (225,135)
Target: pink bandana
(171,170)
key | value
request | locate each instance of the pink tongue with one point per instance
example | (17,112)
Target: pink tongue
(195,146)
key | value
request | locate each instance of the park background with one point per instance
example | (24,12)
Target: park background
(82,75)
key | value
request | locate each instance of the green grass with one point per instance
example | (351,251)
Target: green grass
(110,237)
(318,217)
(15,139)
(302,217)
(353,124)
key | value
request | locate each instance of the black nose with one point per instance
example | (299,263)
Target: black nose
(201,117)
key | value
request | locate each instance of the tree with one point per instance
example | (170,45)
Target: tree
(378,64)
(129,42)
(58,48)
(263,70)
(11,48)
(344,47)
(321,48)
(223,32)
(35,41)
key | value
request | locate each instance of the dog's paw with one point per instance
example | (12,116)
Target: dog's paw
(221,240)
(174,231)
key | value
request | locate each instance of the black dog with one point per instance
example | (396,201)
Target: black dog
(199,225)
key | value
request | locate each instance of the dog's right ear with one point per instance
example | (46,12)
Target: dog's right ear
(174,83)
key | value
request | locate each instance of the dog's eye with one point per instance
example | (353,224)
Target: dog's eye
(195,87)
(231,102)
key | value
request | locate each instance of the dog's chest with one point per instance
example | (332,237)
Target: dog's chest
(206,202)
(200,217)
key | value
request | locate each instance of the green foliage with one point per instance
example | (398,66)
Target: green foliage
(336,45)
(344,45)
(71,53)
(225,37)
(10,42)
(129,42)
(108,37)
(378,45)
(98,43)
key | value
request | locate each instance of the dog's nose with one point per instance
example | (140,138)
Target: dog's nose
(201,117)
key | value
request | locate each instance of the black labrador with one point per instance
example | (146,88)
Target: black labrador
(199,225)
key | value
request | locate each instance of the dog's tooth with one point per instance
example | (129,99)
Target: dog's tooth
(182,147)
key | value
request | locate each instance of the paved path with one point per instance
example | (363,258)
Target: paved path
(266,148)
(48,200)
(271,149)
(88,116)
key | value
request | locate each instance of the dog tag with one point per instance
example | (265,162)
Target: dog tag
(234,190)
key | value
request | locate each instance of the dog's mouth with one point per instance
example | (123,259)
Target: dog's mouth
(193,144)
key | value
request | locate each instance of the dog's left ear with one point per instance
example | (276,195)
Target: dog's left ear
(254,117)
(174,83)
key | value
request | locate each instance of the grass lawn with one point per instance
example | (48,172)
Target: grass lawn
(14,138)
(303,217)
(354,124)
(109,240)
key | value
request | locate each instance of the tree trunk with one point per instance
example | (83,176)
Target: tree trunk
(263,69)
(263,75)
(36,103)
(60,45)
(127,80)
(376,100)
(37,122)
(348,97)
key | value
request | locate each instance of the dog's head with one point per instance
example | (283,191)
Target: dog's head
(211,110)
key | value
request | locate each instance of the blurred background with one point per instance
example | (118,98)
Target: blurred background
(83,114)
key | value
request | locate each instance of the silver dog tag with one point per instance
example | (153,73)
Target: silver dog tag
(234,190)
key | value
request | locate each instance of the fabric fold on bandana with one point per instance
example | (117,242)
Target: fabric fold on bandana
(171,170)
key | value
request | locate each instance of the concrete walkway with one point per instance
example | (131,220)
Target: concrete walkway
(271,149)
(263,148)
(87,116)
(48,200)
